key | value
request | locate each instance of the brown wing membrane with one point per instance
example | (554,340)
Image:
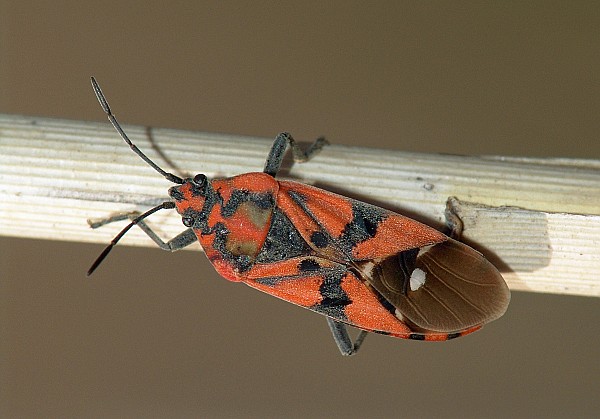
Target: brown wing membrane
(446,287)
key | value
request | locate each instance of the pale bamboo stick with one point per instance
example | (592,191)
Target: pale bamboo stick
(538,220)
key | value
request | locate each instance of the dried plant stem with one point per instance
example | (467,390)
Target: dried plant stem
(538,220)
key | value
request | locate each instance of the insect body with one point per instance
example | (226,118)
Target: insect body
(353,262)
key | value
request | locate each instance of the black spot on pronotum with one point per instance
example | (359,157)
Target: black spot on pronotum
(263,201)
(319,239)
(454,335)
(309,265)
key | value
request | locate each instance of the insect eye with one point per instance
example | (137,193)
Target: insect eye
(200,179)
(187,221)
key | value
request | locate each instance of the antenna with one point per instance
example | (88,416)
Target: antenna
(113,120)
(106,251)
(169,176)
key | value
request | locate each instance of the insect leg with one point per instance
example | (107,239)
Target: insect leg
(342,338)
(453,221)
(118,217)
(280,144)
(180,241)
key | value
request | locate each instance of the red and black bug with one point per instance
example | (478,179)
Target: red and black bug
(355,263)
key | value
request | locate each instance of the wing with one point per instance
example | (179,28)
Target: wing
(344,229)
(446,287)
(418,277)
(327,288)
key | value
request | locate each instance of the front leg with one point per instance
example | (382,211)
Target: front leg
(280,144)
(178,242)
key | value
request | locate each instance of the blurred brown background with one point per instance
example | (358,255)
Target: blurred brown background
(160,335)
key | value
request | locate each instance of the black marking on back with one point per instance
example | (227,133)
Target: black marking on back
(334,297)
(263,200)
(365,220)
(283,241)
(363,226)
(200,217)
(319,239)
(299,199)
(309,265)
(241,262)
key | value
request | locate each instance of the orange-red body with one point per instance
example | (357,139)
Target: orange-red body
(316,249)
(353,262)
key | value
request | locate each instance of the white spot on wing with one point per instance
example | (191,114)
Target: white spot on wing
(417,279)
